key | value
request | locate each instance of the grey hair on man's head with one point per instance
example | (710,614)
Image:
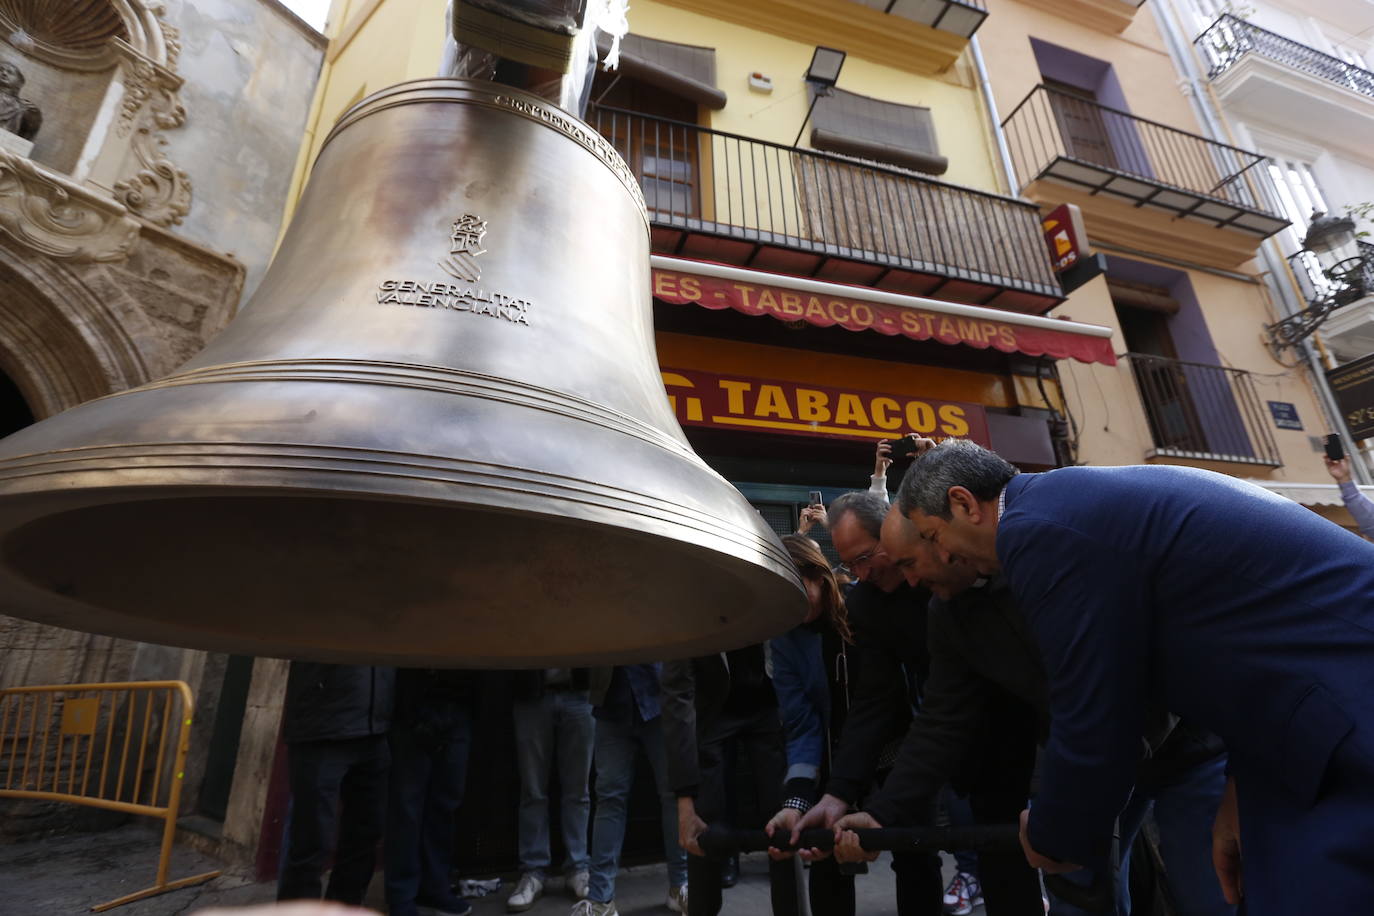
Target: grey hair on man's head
(868,509)
(952,463)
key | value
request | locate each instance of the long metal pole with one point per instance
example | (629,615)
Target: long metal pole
(994,122)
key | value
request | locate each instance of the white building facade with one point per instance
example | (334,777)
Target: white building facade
(1294,81)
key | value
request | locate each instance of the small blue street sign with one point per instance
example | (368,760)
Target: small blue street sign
(1285,415)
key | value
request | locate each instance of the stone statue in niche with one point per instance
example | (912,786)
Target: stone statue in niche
(17,115)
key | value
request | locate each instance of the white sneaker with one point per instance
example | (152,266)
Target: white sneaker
(529,889)
(592,908)
(578,883)
(677,899)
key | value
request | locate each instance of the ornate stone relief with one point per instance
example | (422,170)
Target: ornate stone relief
(156,190)
(59,218)
(132,36)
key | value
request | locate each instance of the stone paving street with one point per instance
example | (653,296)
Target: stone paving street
(66,875)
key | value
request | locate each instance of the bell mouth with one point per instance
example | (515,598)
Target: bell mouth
(360,580)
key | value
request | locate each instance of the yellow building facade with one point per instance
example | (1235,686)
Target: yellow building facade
(1092,114)
(1077,103)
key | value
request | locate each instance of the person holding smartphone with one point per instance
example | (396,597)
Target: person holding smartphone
(1359,505)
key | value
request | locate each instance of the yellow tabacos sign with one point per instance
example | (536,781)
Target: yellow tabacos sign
(708,399)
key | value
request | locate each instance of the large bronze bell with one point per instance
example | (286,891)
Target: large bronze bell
(436,435)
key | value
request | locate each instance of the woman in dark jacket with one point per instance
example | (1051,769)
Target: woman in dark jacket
(811,678)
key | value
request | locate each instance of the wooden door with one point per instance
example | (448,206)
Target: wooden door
(1082,123)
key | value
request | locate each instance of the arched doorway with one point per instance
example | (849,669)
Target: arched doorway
(15,413)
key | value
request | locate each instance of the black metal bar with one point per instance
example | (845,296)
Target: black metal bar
(1099,898)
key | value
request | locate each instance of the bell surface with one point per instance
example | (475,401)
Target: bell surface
(436,435)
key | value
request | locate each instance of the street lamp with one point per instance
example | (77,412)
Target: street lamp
(822,75)
(1332,241)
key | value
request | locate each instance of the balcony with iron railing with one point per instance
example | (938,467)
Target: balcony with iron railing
(1151,166)
(1317,284)
(1229,39)
(1203,413)
(724,197)
(1269,78)
(1339,301)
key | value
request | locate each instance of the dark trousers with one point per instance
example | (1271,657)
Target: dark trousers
(338,790)
(427,782)
(830,890)
(1010,886)
(920,884)
(1001,782)
(758,737)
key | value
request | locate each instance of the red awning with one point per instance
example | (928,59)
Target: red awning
(859,308)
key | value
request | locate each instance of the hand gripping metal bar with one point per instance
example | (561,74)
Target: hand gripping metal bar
(722,841)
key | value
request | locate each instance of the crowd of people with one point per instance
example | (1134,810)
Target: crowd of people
(1078,652)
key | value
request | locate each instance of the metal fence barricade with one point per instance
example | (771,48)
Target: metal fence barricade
(119,746)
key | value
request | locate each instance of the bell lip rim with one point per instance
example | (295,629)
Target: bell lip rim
(486,91)
(756,581)
(751,537)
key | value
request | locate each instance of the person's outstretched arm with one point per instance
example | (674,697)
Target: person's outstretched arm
(1360,506)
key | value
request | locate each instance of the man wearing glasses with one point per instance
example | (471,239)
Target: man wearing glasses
(888,665)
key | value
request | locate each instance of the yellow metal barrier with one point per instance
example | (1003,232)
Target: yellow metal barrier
(103,745)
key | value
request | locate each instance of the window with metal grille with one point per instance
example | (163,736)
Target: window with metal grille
(1299,195)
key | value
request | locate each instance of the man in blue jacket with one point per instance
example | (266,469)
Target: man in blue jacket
(1235,608)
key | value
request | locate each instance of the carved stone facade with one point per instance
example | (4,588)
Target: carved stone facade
(119,70)
(102,287)
(59,218)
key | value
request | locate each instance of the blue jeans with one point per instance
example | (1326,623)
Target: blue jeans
(559,726)
(616,746)
(1184,811)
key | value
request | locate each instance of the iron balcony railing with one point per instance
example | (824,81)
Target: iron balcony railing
(1203,412)
(1065,136)
(1229,39)
(708,181)
(1317,285)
